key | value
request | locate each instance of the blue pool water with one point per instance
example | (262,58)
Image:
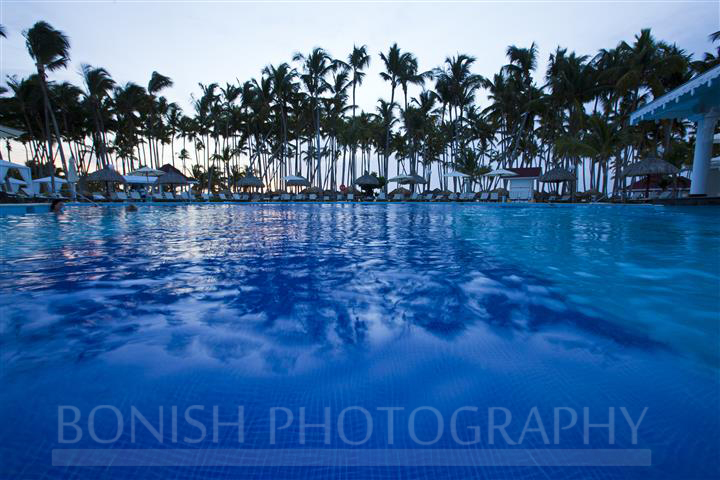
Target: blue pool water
(371,306)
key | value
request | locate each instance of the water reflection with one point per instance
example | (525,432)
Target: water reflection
(280,288)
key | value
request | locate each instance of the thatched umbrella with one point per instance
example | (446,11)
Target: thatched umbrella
(171,178)
(401,191)
(650,166)
(250,180)
(106,176)
(557,175)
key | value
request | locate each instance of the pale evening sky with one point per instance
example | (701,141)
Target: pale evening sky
(223,42)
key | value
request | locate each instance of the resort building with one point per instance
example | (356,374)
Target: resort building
(522,185)
(699,101)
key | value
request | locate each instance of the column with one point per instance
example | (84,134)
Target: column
(703,152)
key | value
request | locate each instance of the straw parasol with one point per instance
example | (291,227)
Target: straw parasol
(368,180)
(171,178)
(106,176)
(250,181)
(400,190)
(557,175)
(651,165)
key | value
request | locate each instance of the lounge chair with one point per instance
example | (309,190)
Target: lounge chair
(439,197)
(135,195)
(169,196)
(235,197)
(98,198)
(205,196)
(665,195)
(494,197)
(350,197)
(397,197)
(415,197)
(564,198)
(381,197)
(285,197)
(484,197)
(312,197)
(453,197)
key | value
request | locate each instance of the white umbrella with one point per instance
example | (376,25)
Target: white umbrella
(148,172)
(501,172)
(456,175)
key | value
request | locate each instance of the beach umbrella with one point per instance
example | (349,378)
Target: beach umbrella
(171,178)
(250,181)
(368,180)
(296,180)
(401,191)
(399,178)
(501,172)
(148,172)
(106,176)
(557,175)
(456,175)
(651,165)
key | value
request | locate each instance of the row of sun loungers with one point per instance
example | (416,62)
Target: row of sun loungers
(312,197)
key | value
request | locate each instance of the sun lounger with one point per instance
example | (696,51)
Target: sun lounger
(381,197)
(97,197)
(397,197)
(494,197)
(312,197)
(439,197)
(665,195)
(453,197)
(205,196)
(564,198)
(135,195)
(285,197)
(169,196)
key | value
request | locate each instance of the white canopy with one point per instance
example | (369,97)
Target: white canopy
(24,171)
(140,179)
(501,172)
(456,175)
(147,171)
(58,180)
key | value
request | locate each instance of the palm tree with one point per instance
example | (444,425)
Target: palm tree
(394,63)
(316,66)
(50,49)
(98,85)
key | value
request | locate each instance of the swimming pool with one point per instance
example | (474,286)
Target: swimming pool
(415,309)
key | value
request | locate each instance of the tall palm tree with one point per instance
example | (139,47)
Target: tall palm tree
(98,85)
(316,66)
(50,49)
(394,63)
(358,60)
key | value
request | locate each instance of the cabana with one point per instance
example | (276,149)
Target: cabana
(37,184)
(521,185)
(699,101)
(6,167)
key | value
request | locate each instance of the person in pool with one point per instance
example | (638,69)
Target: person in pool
(57,206)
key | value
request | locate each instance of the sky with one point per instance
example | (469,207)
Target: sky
(227,41)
